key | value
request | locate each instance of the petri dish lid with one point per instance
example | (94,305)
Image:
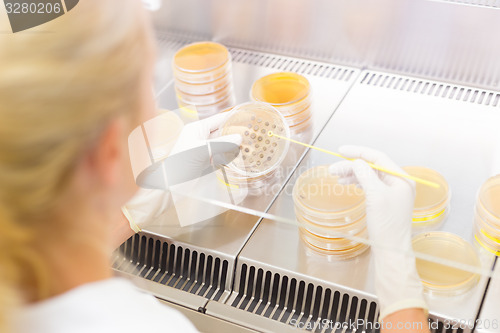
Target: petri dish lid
(338,254)
(430,220)
(299,118)
(427,198)
(201,57)
(331,231)
(211,98)
(489,198)
(489,231)
(442,278)
(485,238)
(280,88)
(204,111)
(335,244)
(319,191)
(330,219)
(289,110)
(260,153)
(204,88)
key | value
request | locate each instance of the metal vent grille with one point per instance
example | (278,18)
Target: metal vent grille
(308,306)
(430,88)
(282,63)
(174,266)
(277,62)
(293,301)
(171,43)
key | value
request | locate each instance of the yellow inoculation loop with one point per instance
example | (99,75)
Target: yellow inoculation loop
(374,166)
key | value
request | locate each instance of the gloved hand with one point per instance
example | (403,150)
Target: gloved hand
(389,207)
(193,156)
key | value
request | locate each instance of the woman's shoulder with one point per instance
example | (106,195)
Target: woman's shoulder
(112,305)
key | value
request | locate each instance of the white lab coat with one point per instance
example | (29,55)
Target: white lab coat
(108,306)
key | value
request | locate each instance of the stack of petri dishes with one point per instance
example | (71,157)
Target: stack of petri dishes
(487,215)
(203,78)
(442,278)
(260,156)
(290,94)
(328,213)
(432,205)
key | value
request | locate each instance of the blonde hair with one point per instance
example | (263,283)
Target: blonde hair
(60,84)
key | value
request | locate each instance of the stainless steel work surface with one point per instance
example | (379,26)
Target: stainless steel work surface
(226,312)
(329,84)
(489,319)
(206,323)
(449,128)
(170,254)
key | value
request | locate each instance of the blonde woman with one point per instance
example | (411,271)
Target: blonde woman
(70,93)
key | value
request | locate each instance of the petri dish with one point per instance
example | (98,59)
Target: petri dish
(338,254)
(431,204)
(440,278)
(204,99)
(319,193)
(299,118)
(331,219)
(251,183)
(300,127)
(287,91)
(332,231)
(203,88)
(260,153)
(204,111)
(201,62)
(486,233)
(334,244)
(488,201)
(486,218)
(201,57)
(280,89)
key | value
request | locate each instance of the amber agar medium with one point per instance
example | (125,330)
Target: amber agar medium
(289,93)
(201,57)
(202,76)
(329,212)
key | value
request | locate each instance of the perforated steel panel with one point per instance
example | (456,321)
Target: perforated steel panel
(200,259)
(206,261)
(431,88)
(297,302)
(155,259)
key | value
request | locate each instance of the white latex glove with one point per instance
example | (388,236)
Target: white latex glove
(389,207)
(151,202)
(198,133)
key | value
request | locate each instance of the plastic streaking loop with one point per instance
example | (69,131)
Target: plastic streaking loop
(374,166)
